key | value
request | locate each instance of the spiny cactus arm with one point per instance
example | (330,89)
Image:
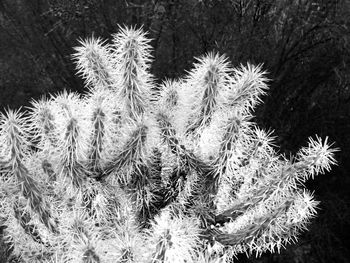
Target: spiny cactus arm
(71,128)
(24,220)
(168,95)
(318,156)
(150,191)
(131,154)
(103,125)
(208,82)
(270,229)
(93,60)
(232,131)
(261,148)
(250,158)
(197,172)
(95,155)
(99,135)
(43,123)
(248,87)
(176,170)
(133,168)
(131,56)
(189,182)
(14,136)
(71,167)
(169,136)
(43,129)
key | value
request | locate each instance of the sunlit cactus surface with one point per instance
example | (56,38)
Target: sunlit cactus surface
(132,171)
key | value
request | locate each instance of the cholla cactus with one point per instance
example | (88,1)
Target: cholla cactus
(135,172)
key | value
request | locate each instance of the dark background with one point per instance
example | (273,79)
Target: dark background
(303,44)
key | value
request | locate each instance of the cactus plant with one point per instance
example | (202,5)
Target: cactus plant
(132,171)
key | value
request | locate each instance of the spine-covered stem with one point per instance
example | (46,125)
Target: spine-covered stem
(16,139)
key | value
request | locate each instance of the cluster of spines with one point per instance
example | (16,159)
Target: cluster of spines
(131,55)
(16,144)
(192,168)
(93,63)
